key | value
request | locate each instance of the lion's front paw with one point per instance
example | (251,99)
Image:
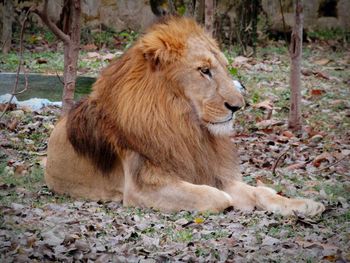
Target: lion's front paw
(213,200)
(305,206)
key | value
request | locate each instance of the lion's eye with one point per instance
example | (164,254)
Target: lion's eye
(205,71)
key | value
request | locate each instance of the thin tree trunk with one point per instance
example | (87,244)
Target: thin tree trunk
(69,33)
(71,54)
(7,20)
(295,118)
(189,5)
(209,17)
(199,11)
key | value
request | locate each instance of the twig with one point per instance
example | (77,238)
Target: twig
(284,22)
(59,78)
(3,44)
(274,167)
(43,14)
(330,165)
(20,62)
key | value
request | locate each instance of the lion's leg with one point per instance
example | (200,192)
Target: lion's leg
(246,197)
(149,187)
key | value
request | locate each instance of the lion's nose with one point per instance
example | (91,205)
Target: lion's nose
(232,108)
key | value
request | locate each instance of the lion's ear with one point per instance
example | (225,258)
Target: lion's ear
(161,49)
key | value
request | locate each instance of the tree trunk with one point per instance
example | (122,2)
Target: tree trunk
(199,11)
(69,32)
(189,5)
(295,119)
(7,20)
(71,54)
(245,25)
(209,17)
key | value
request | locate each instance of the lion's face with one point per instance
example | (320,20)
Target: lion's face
(208,85)
(180,50)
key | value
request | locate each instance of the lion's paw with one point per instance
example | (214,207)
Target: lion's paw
(215,200)
(306,206)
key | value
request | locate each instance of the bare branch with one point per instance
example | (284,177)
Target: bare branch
(274,167)
(20,62)
(59,78)
(43,14)
(284,22)
(330,165)
(25,83)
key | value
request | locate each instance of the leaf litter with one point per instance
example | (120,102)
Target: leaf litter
(38,225)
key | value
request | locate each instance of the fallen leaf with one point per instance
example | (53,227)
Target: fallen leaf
(288,134)
(239,61)
(322,158)
(322,75)
(93,55)
(296,166)
(13,124)
(312,244)
(263,181)
(317,92)
(307,72)
(41,61)
(263,67)
(268,123)
(199,220)
(89,47)
(270,241)
(331,258)
(316,138)
(322,62)
(266,104)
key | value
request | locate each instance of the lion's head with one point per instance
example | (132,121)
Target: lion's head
(198,68)
(168,97)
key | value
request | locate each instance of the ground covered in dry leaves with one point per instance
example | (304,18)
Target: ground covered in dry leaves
(37,225)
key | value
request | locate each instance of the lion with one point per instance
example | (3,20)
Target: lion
(155,131)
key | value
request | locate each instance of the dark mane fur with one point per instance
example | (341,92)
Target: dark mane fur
(86,135)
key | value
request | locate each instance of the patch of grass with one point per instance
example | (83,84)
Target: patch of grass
(329,34)
(334,191)
(31,182)
(9,62)
(184,235)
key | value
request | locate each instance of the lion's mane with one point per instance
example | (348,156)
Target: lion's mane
(137,104)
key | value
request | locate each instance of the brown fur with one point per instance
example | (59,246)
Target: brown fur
(155,131)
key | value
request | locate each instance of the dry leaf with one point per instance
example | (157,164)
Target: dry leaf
(317,92)
(296,166)
(268,123)
(266,104)
(288,134)
(93,55)
(321,158)
(307,72)
(89,47)
(199,220)
(322,75)
(41,61)
(322,62)
(239,61)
